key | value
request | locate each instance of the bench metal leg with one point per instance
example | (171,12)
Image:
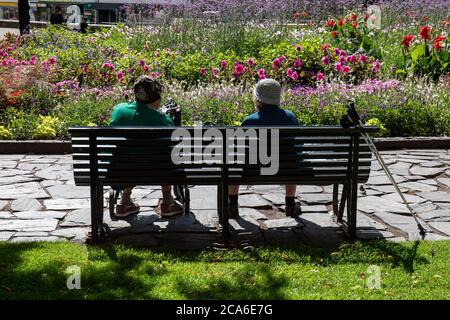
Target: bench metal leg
(335,199)
(342,203)
(219,203)
(187,200)
(351,212)
(354,189)
(350,226)
(100,203)
(225,224)
(94,213)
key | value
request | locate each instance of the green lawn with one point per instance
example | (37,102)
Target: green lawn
(412,270)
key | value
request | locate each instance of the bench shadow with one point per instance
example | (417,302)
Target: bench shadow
(187,232)
(183,232)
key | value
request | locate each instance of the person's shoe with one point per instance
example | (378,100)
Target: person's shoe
(123,211)
(294,210)
(169,209)
(233,211)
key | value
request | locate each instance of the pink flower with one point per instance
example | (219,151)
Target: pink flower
(342,53)
(239,69)
(337,51)
(4,62)
(107,65)
(337,66)
(376,66)
(363,58)
(298,63)
(12,62)
(351,58)
(320,76)
(261,74)
(289,72)
(294,76)
(32,60)
(215,73)
(52,60)
(342,59)
(202,72)
(345,69)
(154,75)
(142,62)
(119,75)
(325,47)
(282,57)
(276,63)
(325,61)
(24,63)
(251,62)
(223,64)
(84,69)
(146,68)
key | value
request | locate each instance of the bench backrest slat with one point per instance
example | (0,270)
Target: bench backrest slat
(308,155)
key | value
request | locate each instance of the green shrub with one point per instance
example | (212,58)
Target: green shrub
(86,110)
(377,123)
(47,127)
(5,134)
(21,124)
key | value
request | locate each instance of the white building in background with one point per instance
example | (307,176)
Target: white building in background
(95,11)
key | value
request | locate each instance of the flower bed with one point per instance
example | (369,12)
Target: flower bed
(398,74)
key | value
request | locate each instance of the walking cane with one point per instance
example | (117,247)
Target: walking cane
(352,118)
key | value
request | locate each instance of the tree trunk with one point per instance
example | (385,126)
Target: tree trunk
(24,16)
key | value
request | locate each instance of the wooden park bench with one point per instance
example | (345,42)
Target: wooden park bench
(138,156)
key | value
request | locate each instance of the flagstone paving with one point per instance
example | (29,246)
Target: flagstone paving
(39,201)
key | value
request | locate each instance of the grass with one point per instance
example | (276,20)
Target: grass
(411,270)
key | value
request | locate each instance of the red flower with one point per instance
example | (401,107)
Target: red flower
(334,34)
(425,32)
(341,22)
(366,16)
(330,23)
(296,15)
(438,43)
(354,17)
(17,93)
(407,41)
(355,24)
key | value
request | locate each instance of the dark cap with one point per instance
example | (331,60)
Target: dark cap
(147,90)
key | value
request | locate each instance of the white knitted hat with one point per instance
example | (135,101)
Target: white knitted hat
(268,91)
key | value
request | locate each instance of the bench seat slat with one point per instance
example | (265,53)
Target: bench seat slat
(164,165)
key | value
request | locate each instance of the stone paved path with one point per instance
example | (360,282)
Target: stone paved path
(39,201)
(4,31)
